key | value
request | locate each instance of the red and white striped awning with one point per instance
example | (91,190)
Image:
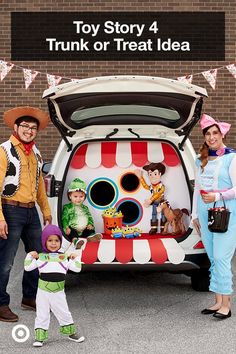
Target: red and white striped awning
(124,154)
(140,251)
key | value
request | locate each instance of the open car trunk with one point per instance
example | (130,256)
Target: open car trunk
(108,168)
(113,126)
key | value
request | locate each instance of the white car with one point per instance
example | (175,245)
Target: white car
(112,127)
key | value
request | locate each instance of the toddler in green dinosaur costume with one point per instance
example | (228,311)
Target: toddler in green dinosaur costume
(77,220)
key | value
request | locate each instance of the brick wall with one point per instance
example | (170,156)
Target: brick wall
(220,104)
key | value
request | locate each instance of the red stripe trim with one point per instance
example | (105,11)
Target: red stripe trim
(170,156)
(89,255)
(124,250)
(108,151)
(158,251)
(78,160)
(139,153)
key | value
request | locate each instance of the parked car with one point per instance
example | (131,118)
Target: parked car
(111,127)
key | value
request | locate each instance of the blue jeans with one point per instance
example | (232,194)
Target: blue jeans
(24,224)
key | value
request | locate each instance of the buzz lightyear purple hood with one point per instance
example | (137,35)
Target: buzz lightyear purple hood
(48,231)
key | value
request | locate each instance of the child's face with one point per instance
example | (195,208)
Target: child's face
(53,243)
(77,197)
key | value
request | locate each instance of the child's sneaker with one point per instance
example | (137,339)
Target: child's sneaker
(37,344)
(94,238)
(76,337)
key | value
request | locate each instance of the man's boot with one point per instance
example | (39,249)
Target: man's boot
(153,229)
(28,304)
(6,315)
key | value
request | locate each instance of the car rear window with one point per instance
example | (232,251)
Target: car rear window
(163,108)
(168,113)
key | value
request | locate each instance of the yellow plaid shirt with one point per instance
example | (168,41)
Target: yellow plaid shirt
(156,190)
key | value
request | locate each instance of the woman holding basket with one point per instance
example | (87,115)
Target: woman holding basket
(215,182)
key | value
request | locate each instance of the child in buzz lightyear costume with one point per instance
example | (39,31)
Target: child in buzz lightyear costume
(52,266)
(77,220)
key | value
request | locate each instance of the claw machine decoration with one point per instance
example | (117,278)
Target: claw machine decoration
(109,169)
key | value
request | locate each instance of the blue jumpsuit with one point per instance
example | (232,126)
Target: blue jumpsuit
(220,247)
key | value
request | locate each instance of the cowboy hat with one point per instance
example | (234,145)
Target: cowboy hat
(155,166)
(13,114)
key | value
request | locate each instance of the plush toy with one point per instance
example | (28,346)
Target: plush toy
(137,232)
(174,219)
(117,232)
(157,189)
(128,232)
(77,220)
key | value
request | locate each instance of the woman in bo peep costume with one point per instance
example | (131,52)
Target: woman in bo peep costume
(216,178)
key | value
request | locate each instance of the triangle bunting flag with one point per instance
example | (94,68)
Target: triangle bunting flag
(53,80)
(210,76)
(187,79)
(29,76)
(232,69)
(5,68)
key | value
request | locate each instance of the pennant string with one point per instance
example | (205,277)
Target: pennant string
(53,80)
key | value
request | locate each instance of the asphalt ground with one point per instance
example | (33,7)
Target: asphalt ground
(123,313)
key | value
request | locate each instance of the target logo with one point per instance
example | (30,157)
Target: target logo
(20,333)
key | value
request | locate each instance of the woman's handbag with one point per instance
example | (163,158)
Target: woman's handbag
(218,218)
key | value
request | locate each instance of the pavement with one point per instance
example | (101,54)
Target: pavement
(124,313)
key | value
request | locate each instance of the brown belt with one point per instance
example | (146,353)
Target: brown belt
(19,204)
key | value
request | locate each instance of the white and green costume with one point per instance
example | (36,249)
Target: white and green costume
(51,295)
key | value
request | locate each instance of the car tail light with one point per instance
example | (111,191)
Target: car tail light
(52,186)
(49,184)
(199,245)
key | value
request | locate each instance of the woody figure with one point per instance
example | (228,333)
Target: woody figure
(157,189)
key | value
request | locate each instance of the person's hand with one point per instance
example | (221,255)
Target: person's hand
(147,203)
(3,229)
(68,231)
(75,227)
(208,197)
(47,219)
(90,227)
(138,173)
(197,226)
(73,256)
(34,254)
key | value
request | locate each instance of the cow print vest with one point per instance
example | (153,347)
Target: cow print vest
(12,179)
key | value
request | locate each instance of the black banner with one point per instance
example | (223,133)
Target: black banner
(195,36)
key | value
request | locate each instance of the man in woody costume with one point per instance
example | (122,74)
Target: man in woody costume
(157,189)
(21,186)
